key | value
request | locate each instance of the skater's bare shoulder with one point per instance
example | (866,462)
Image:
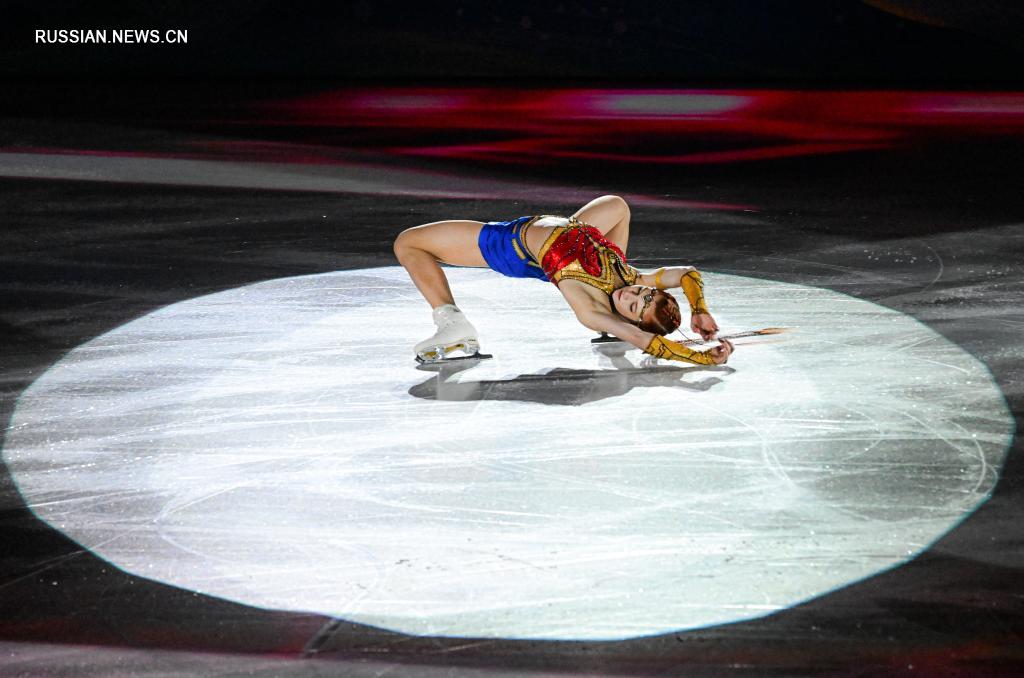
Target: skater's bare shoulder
(594,311)
(583,297)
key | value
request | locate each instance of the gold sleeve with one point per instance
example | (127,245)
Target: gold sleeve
(660,347)
(693,288)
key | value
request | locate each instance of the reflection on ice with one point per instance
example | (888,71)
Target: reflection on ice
(275,445)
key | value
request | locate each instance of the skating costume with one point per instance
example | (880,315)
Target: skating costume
(501,243)
(579,251)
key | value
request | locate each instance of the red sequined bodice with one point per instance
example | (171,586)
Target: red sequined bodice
(581,252)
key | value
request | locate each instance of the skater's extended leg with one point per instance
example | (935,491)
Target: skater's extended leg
(422,249)
(610,215)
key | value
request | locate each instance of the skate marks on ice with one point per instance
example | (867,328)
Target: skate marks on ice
(262,445)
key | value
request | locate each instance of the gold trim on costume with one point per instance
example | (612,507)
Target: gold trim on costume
(521,232)
(519,252)
(693,288)
(660,347)
(552,237)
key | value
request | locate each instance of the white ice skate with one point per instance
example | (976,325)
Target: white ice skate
(454,335)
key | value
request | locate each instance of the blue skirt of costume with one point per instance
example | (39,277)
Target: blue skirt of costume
(501,243)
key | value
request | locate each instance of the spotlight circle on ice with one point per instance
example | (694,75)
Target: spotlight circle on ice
(274,445)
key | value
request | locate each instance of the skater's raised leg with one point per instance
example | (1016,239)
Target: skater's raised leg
(610,215)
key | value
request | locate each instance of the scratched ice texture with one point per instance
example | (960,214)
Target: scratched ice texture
(274,445)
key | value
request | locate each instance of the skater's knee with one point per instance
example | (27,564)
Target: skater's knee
(620,204)
(615,202)
(404,243)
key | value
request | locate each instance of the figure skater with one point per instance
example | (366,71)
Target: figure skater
(583,255)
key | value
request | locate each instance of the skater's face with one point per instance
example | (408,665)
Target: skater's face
(634,303)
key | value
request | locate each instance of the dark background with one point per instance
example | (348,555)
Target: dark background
(938,43)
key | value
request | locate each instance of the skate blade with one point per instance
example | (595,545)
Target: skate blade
(458,363)
(605,339)
(461,358)
(442,354)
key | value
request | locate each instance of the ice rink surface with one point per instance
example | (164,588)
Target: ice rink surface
(265,477)
(274,445)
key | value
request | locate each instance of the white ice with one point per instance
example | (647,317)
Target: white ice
(274,445)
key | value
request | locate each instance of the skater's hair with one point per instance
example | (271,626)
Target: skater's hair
(665,318)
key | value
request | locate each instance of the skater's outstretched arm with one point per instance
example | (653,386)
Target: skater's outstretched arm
(690,280)
(653,344)
(666,277)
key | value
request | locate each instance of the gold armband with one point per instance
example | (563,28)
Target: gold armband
(657,279)
(693,288)
(660,347)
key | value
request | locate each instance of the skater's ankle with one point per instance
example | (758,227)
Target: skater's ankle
(447,311)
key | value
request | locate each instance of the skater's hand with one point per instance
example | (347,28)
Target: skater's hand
(720,354)
(705,325)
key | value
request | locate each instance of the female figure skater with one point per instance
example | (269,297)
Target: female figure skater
(583,255)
